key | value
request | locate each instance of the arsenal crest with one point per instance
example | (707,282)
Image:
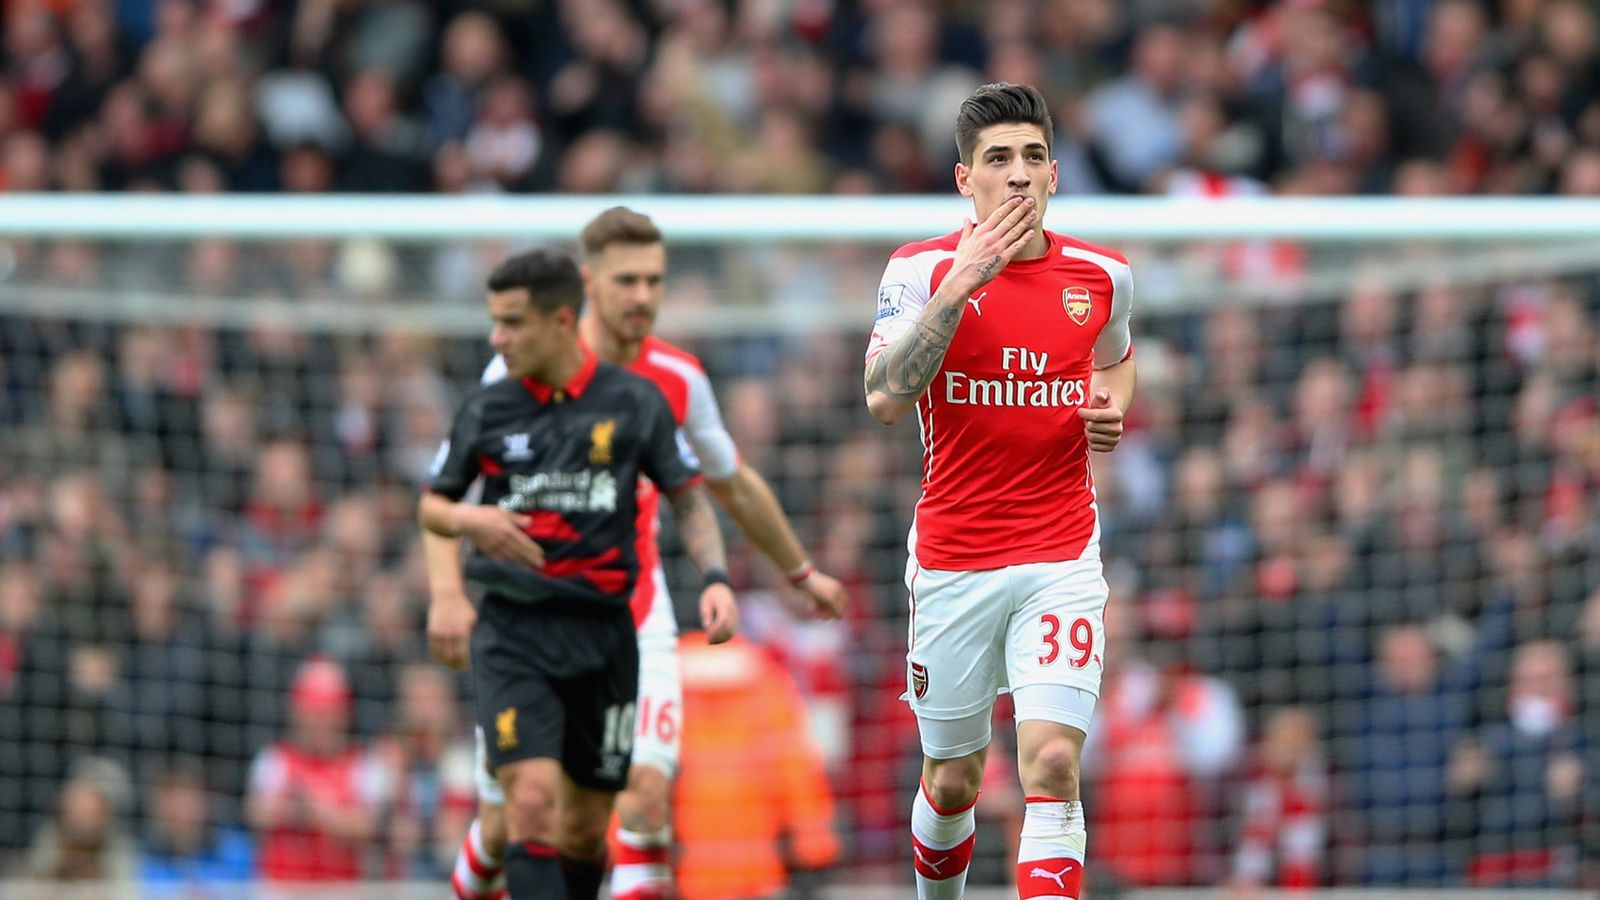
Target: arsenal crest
(1075,300)
(919,679)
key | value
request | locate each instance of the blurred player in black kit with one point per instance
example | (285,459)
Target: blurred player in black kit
(559,445)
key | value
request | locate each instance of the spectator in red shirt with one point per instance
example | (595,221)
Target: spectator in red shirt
(1165,736)
(1286,806)
(313,797)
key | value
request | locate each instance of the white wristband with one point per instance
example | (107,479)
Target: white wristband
(799,574)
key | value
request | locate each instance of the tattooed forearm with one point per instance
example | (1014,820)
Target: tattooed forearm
(908,366)
(697,528)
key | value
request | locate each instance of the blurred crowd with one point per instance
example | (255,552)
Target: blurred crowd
(1353,544)
(1185,96)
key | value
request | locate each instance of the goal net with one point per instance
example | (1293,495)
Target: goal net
(1350,535)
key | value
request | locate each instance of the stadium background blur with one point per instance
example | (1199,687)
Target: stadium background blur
(1351,535)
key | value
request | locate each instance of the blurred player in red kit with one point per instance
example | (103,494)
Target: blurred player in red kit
(1011,343)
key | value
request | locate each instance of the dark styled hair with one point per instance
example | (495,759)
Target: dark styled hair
(618,225)
(549,276)
(1001,103)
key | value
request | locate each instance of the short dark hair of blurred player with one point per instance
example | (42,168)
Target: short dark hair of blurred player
(559,445)
(1011,343)
(624,269)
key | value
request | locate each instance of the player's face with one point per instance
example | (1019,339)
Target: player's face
(528,339)
(625,284)
(1011,159)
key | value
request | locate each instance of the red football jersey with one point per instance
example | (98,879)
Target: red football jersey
(1005,468)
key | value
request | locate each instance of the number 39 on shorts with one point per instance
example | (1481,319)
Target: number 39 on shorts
(1079,635)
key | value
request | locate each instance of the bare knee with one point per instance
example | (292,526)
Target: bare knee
(492,828)
(1051,768)
(643,806)
(952,783)
(530,808)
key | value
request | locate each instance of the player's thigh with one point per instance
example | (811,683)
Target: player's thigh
(514,675)
(658,732)
(1055,643)
(955,658)
(582,815)
(600,701)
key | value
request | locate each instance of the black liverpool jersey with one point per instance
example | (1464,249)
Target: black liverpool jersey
(571,458)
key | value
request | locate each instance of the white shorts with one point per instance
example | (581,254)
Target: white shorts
(1036,630)
(659,714)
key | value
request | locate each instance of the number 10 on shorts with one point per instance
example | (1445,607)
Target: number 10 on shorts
(618,738)
(1080,635)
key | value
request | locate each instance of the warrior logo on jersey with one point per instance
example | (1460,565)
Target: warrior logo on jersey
(919,679)
(1075,300)
(600,439)
(518,447)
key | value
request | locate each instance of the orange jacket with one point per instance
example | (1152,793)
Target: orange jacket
(750,776)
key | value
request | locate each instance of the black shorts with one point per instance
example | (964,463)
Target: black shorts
(557,684)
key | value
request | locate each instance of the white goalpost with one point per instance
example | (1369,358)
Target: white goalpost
(1402,244)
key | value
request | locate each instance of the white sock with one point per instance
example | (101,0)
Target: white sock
(1050,856)
(941,842)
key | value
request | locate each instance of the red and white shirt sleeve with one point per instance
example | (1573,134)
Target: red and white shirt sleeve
(1115,343)
(904,291)
(702,419)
